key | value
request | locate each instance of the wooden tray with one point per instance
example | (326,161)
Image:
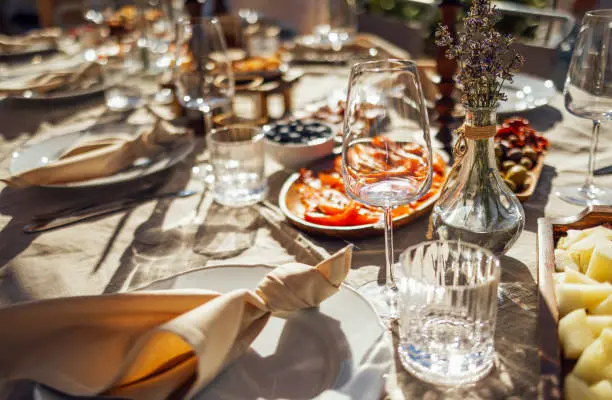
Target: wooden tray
(292,207)
(552,366)
(534,176)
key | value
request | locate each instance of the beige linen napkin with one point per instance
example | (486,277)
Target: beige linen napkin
(101,157)
(82,77)
(152,346)
(14,44)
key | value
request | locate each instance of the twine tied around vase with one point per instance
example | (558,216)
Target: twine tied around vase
(464,132)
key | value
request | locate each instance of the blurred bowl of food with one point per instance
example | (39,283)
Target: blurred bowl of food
(297,143)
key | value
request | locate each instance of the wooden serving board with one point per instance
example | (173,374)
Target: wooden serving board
(552,366)
(291,205)
(534,177)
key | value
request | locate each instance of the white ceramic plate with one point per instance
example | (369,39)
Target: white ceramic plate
(526,93)
(299,357)
(46,151)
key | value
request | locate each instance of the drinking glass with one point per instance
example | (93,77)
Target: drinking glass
(202,73)
(122,70)
(237,159)
(448,307)
(588,94)
(387,163)
(341,26)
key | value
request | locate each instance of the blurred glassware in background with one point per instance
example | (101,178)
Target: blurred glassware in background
(121,67)
(203,73)
(341,26)
(261,40)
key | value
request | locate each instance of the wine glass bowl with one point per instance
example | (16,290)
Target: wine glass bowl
(588,94)
(388,162)
(202,73)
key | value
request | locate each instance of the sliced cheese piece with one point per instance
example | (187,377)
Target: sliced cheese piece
(603,308)
(575,388)
(573,296)
(582,250)
(602,389)
(597,323)
(564,261)
(595,363)
(600,264)
(558,277)
(575,334)
(574,236)
(572,276)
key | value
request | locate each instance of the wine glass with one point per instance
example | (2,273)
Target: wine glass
(387,163)
(203,72)
(588,94)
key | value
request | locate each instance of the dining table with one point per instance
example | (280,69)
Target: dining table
(128,250)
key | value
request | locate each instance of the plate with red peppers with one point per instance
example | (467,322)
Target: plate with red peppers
(520,152)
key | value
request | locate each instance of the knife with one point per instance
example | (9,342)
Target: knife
(603,171)
(39,224)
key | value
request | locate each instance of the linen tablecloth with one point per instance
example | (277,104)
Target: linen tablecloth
(130,249)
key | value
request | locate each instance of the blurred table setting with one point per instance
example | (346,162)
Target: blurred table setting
(238,206)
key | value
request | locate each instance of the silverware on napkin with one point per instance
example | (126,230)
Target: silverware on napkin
(45,222)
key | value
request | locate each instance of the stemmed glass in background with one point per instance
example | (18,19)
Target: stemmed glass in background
(203,72)
(588,94)
(389,163)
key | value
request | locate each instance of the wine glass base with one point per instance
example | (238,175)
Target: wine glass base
(383,298)
(583,196)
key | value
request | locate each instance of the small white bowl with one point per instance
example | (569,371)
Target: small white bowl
(294,156)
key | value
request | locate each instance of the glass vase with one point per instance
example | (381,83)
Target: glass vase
(477,206)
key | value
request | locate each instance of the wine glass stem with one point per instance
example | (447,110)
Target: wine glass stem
(208,120)
(588,182)
(389,279)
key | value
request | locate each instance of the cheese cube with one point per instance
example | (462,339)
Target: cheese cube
(574,236)
(582,250)
(572,296)
(575,334)
(564,261)
(600,265)
(603,308)
(597,323)
(576,389)
(602,390)
(595,363)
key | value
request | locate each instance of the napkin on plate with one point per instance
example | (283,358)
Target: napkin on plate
(152,345)
(97,158)
(82,77)
(16,44)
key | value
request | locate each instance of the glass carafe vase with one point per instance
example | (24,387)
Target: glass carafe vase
(476,206)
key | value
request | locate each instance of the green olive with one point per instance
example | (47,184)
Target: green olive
(510,184)
(530,153)
(517,174)
(506,165)
(526,162)
(498,151)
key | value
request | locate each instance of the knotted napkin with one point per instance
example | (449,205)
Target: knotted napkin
(106,156)
(81,77)
(152,345)
(15,44)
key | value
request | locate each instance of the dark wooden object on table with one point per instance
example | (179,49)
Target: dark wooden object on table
(552,367)
(446,70)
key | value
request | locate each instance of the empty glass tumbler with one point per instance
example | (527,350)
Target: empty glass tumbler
(448,305)
(237,159)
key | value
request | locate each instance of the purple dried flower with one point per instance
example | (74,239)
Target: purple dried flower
(486,58)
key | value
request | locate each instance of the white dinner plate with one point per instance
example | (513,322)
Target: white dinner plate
(46,151)
(526,93)
(336,349)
